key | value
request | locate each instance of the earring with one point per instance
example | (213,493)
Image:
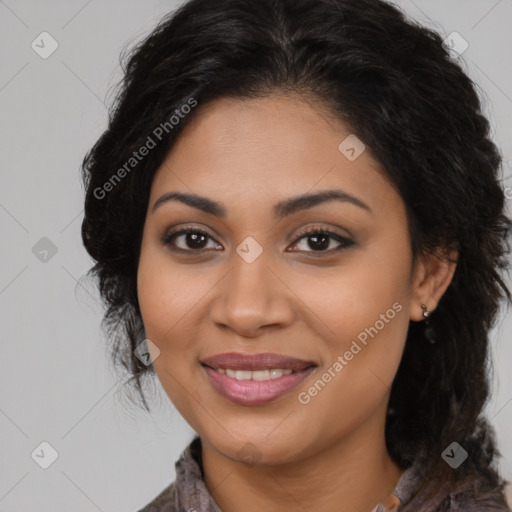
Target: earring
(429,331)
(426,312)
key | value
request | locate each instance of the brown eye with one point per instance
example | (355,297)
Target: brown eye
(318,240)
(188,239)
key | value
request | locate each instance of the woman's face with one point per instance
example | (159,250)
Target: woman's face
(254,283)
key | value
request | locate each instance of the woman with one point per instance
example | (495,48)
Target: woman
(297,225)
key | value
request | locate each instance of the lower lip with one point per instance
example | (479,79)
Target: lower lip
(254,392)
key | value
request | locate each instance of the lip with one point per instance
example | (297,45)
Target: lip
(255,392)
(253,362)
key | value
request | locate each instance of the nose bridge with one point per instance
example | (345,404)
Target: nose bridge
(251,296)
(250,281)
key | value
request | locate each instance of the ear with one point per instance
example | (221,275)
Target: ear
(431,277)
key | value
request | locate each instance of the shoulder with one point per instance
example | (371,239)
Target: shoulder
(477,493)
(164,502)
(469,501)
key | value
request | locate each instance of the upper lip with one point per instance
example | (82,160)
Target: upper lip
(264,361)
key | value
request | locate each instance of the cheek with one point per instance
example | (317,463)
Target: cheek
(363,356)
(167,298)
(166,293)
(362,307)
(370,288)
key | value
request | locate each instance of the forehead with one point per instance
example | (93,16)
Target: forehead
(270,148)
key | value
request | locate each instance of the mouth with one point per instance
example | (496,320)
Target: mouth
(267,374)
(255,379)
(256,362)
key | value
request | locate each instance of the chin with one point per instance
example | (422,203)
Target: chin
(259,448)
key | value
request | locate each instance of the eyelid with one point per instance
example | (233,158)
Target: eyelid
(188,227)
(308,229)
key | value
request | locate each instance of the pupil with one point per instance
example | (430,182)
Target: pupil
(323,244)
(194,237)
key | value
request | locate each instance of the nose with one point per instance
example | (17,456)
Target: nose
(252,299)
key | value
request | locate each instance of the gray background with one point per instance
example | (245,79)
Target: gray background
(56,384)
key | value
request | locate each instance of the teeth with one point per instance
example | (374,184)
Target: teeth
(274,374)
(254,375)
(261,375)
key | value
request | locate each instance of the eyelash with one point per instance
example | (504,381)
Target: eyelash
(168,239)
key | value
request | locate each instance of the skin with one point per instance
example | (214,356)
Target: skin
(329,454)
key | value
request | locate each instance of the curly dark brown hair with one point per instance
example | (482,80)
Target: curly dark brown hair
(400,91)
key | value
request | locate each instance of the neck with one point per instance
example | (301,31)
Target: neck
(352,473)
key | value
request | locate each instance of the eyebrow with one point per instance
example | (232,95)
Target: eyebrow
(281,209)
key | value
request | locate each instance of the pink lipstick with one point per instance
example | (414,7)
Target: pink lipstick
(255,379)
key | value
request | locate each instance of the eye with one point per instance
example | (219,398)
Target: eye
(320,239)
(189,240)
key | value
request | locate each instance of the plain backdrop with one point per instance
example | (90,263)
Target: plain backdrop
(56,385)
